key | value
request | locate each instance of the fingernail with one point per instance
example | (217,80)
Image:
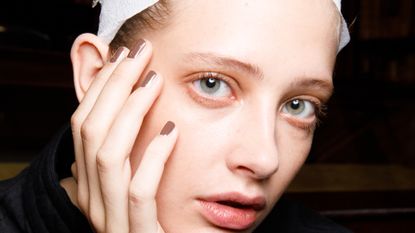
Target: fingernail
(139,46)
(149,77)
(117,54)
(168,127)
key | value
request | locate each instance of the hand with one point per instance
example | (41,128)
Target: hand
(105,125)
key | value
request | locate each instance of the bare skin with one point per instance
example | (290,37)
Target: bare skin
(243,136)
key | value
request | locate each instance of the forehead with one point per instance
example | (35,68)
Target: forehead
(282,18)
(268,32)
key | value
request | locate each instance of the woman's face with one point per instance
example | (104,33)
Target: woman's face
(243,83)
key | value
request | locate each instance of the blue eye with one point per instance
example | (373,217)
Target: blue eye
(300,108)
(212,87)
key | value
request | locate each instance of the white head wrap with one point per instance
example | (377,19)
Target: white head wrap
(344,30)
(115,12)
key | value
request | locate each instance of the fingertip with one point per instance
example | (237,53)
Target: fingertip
(167,128)
(74,170)
(142,47)
(149,79)
(117,54)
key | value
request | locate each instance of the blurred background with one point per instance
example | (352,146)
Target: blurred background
(361,170)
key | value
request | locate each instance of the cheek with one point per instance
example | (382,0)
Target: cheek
(294,147)
(202,141)
(200,151)
(198,159)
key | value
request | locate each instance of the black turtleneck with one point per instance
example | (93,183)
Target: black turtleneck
(34,201)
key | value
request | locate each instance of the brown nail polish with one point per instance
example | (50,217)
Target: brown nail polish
(139,46)
(168,127)
(149,77)
(117,54)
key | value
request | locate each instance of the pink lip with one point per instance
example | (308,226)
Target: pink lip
(231,210)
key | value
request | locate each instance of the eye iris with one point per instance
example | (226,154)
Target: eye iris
(296,107)
(210,85)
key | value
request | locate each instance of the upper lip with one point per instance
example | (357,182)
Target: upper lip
(238,200)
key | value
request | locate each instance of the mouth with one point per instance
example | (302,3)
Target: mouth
(232,211)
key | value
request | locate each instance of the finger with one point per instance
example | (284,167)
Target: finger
(71,188)
(113,157)
(79,117)
(74,171)
(144,185)
(107,106)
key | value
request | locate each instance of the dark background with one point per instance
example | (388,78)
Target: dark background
(362,165)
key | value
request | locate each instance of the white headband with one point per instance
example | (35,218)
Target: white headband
(115,12)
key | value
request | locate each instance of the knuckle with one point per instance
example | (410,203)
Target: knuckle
(76,121)
(74,171)
(137,196)
(105,161)
(89,129)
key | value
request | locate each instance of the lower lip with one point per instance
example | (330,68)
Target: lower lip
(226,216)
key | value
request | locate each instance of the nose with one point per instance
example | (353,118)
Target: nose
(255,152)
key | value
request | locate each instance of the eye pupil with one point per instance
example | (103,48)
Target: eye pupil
(210,82)
(295,104)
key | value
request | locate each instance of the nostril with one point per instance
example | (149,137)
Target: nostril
(254,160)
(258,171)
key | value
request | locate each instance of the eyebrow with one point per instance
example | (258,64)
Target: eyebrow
(227,62)
(321,85)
